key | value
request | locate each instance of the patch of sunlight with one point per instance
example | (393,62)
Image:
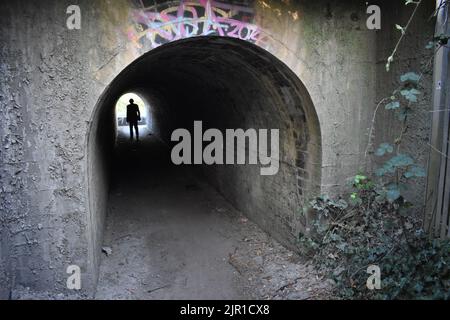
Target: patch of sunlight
(124,100)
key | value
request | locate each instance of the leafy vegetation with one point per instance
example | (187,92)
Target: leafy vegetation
(372,225)
(371,229)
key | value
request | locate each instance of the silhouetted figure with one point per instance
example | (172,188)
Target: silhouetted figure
(133,117)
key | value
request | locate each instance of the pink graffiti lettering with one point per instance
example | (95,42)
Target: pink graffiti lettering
(193,18)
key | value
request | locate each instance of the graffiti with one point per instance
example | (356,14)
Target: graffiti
(153,27)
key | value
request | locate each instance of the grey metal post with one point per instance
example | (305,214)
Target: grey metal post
(438,186)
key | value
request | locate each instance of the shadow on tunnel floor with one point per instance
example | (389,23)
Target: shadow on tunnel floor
(170,235)
(135,162)
(166,238)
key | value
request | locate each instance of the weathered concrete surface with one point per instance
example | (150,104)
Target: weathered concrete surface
(412,56)
(52,79)
(45,98)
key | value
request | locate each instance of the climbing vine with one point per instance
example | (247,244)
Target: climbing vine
(372,225)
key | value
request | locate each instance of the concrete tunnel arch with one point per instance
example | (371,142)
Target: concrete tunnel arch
(226,83)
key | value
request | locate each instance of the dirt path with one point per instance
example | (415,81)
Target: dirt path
(173,237)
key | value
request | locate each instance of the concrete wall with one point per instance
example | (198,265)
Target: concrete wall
(412,56)
(53,78)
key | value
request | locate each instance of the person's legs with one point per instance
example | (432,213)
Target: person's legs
(131,130)
(137,131)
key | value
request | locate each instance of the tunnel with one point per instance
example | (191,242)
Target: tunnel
(225,83)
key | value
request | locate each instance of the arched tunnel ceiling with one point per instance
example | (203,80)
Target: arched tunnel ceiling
(200,66)
(229,84)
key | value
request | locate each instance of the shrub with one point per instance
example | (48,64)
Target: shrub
(347,237)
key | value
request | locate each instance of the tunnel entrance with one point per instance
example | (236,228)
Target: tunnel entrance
(145,121)
(227,84)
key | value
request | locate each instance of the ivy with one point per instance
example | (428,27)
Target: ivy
(393,192)
(415,171)
(410,94)
(397,162)
(383,149)
(374,231)
(411,77)
(392,105)
(375,225)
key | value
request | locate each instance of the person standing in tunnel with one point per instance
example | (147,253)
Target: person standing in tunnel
(133,117)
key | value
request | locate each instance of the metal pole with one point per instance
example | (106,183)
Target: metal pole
(438,184)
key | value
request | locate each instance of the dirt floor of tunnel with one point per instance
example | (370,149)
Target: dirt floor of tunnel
(173,237)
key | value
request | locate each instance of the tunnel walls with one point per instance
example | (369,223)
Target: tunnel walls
(267,96)
(232,84)
(100,143)
(53,78)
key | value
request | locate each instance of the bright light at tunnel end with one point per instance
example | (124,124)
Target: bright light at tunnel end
(229,149)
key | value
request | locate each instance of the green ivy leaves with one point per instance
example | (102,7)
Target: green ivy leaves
(400,167)
(410,94)
(393,105)
(383,149)
(396,162)
(402,163)
(401,160)
(393,192)
(359,179)
(410,77)
(415,172)
(378,228)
